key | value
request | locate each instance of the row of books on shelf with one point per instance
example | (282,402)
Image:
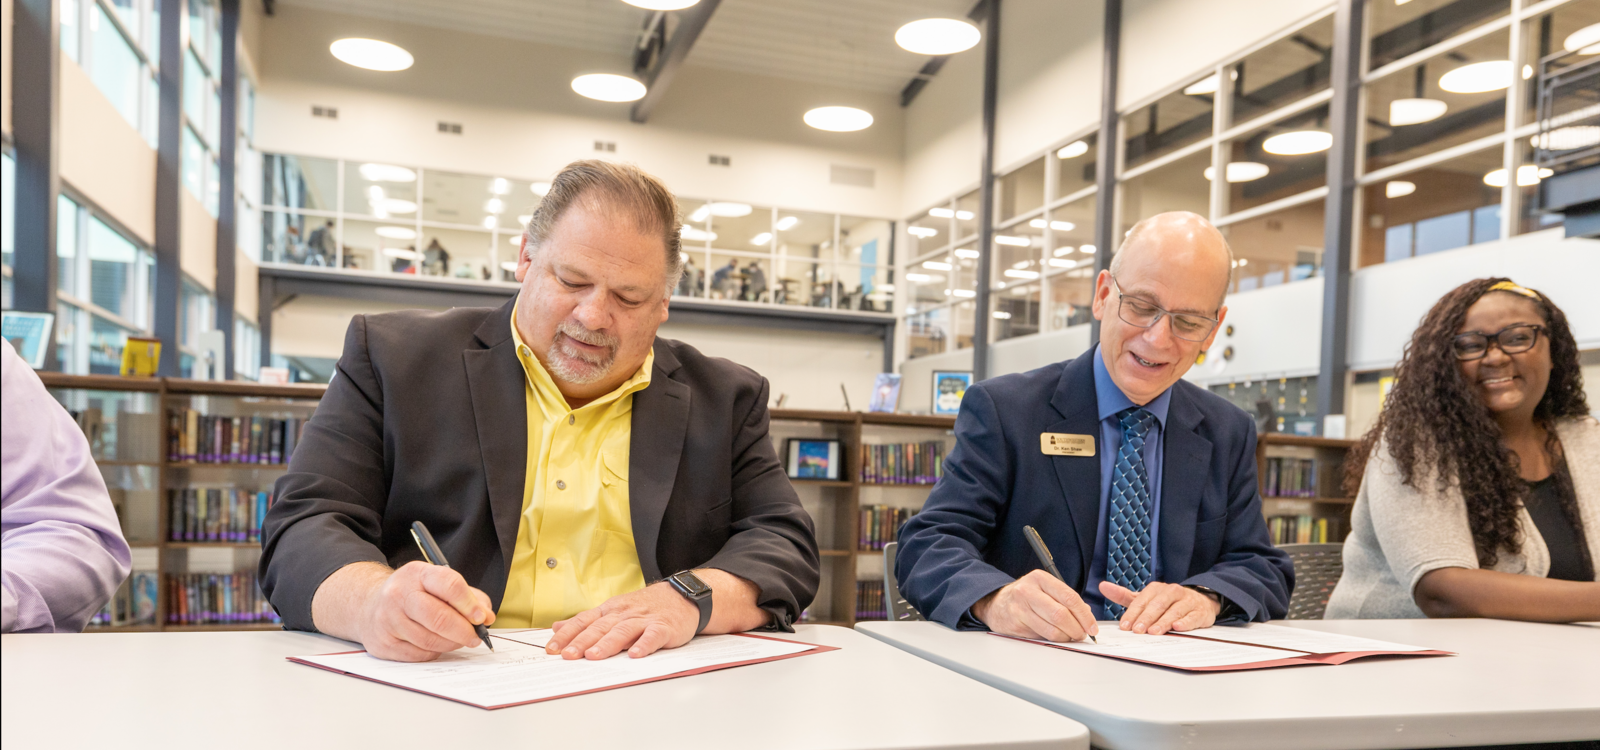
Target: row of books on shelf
(216,514)
(869,601)
(134,604)
(131,436)
(1305,529)
(903,463)
(880,524)
(217,599)
(1290,477)
(215,439)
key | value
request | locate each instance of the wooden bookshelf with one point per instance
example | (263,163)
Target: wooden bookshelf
(163,394)
(1326,499)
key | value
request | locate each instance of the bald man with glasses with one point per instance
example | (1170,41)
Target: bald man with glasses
(1141,484)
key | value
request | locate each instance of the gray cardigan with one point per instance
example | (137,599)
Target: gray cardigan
(1399,533)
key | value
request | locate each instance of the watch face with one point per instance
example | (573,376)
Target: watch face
(691,584)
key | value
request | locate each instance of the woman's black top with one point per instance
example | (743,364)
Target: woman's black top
(1567,561)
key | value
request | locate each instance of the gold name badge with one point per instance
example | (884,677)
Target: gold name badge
(1062,444)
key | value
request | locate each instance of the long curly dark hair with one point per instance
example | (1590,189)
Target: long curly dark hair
(1433,422)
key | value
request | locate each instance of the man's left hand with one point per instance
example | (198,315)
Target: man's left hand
(1162,607)
(643,622)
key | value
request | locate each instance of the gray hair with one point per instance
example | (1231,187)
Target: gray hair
(619,186)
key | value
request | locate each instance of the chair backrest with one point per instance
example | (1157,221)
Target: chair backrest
(1317,568)
(898,608)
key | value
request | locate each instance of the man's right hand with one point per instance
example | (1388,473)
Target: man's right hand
(1037,606)
(415,613)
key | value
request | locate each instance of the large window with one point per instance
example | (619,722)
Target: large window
(202,103)
(116,43)
(106,285)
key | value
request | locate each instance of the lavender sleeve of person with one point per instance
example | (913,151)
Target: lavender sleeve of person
(62,554)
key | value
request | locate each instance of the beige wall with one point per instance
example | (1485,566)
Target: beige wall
(103,157)
(197,233)
(246,287)
(1165,42)
(1049,80)
(943,137)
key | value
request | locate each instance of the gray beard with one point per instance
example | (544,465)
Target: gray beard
(570,365)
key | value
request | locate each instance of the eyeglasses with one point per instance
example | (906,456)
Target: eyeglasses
(1511,340)
(1142,314)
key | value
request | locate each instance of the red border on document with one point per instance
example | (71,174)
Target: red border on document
(1304,658)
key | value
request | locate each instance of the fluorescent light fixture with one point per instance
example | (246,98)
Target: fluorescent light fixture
(936,265)
(1059,226)
(509,266)
(1241,171)
(765,238)
(965,215)
(693,234)
(839,119)
(1022,264)
(1398,188)
(1527,175)
(515,239)
(490,222)
(1477,78)
(371,54)
(1569,138)
(885,288)
(500,186)
(387,173)
(395,206)
(1006,239)
(1073,150)
(400,252)
(1086,249)
(1298,142)
(662,4)
(937,36)
(396,233)
(941,213)
(1208,85)
(729,210)
(1016,274)
(1244,261)
(608,87)
(1415,111)
(494,205)
(523,219)
(1062,263)
(1060,251)
(967,252)
(963,293)
(1001,315)
(787,223)
(540,189)
(701,214)
(375,194)
(918,278)
(918,232)
(1584,41)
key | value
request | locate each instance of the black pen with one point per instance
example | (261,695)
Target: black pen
(1045,559)
(435,556)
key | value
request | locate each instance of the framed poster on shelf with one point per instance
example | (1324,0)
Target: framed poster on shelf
(885,393)
(813,459)
(948,389)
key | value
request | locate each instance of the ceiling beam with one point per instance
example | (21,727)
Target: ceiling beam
(931,68)
(689,26)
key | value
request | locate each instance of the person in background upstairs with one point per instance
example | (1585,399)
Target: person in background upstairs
(1141,484)
(1479,487)
(62,554)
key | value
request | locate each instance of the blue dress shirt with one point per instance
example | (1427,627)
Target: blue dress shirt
(1110,399)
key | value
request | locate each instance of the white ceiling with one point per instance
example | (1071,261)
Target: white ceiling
(846,43)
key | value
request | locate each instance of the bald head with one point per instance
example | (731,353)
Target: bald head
(1181,240)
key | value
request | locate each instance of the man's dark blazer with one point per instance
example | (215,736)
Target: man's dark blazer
(426,420)
(967,541)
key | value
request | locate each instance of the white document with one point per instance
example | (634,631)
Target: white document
(1299,639)
(1183,653)
(519,671)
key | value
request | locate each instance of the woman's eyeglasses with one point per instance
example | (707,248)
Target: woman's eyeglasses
(1511,340)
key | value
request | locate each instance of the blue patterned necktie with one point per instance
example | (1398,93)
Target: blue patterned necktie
(1128,535)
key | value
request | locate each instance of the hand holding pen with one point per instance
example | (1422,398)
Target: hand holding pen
(1038,605)
(435,556)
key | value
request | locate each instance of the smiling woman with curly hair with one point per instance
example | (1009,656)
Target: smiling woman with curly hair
(1479,487)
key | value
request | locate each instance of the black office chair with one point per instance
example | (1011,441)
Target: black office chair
(898,608)
(1317,568)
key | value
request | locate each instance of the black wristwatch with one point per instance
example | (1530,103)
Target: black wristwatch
(695,590)
(1225,606)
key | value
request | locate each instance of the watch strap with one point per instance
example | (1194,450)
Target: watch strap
(703,601)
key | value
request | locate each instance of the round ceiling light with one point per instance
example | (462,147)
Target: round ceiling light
(540,189)
(1242,171)
(1527,175)
(396,233)
(1073,150)
(937,36)
(662,4)
(839,119)
(608,87)
(394,206)
(1398,188)
(1584,41)
(387,173)
(1415,111)
(694,234)
(1477,78)
(1569,138)
(372,54)
(1298,142)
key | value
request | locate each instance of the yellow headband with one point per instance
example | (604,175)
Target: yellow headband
(1506,286)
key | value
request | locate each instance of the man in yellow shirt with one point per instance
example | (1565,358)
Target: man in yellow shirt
(577,471)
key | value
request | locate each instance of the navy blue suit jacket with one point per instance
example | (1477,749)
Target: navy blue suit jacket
(967,541)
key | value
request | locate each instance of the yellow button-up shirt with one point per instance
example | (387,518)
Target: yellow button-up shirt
(575,542)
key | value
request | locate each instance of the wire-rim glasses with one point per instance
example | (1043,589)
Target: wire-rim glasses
(1141,313)
(1513,339)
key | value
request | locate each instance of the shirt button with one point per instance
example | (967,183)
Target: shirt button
(524,350)
(571,419)
(550,563)
(560,485)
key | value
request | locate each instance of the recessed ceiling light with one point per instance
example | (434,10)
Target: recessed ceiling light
(765,238)
(729,210)
(1001,315)
(696,235)
(922,232)
(1298,142)
(919,277)
(371,54)
(936,265)
(524,219)
(494,205)
(500,186)
(1569,138)
(387,173)
(375,194)
(967,252)
(1063,263)
(396,233)
(662,4)
(1089,249)
(395,206)
(1003,239)
(1584,41)
(963,293)
(1527,175)
(400,252)
(1477,78)
(941,213)
(1059,226)
(540,189)
(1242,171)
(787,223)
(515,239)
(608,87)
(1414,111)
(509,266)
(1398,188)
(839,119)
(1073,150)
(937,36)
(1015,274)
(490,222)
